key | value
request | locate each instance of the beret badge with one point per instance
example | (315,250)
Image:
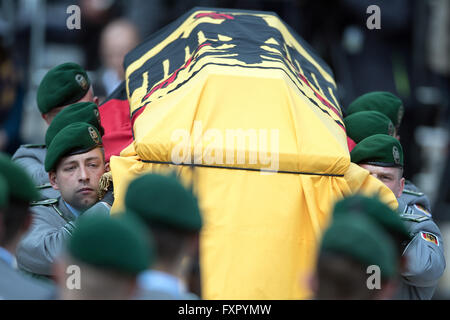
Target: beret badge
(81,81)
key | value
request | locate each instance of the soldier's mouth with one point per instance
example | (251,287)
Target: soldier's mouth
(85,190)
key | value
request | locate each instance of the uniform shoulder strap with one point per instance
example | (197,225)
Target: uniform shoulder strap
(45,185)
(34,146)
(413,217)
(413,193)
(58,211)
(46,202)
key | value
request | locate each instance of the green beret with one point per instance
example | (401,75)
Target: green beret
(112,243)
(4,192)
(62,85)
(381,101)
(375,209)
(363,124)
(20,185)
(77,112)
(76,138)
(379,150)
(361,239)
(163,201)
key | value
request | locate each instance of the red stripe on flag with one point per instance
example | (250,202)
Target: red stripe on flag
(115,118)
(214,15)
(174,75)
(350,143)
(322,99)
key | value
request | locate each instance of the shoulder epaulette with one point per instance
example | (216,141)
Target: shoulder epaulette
(34,146)
(45,185)
(413,193)
(413,217)
(45,202)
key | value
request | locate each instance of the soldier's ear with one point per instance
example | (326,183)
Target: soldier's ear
(46,118)
(402,186)
(53,180)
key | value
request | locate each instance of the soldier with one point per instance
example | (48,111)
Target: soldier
(382,156)
(363,124)
(63,85)
(77,112)
(172,214)
(389,220)
(109,254)
(16,191)
(352,245)
(392,107)
(74,162)
(381,101)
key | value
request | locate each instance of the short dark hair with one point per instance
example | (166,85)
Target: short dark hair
(341,278)
(401,172)
(170,243)
(14,217)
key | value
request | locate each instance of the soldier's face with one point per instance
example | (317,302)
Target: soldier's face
(77,177)
(391,177)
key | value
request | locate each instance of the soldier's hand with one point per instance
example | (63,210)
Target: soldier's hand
(109,196)
(106,189)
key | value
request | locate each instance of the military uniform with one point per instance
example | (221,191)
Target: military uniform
(53,219)
(412,196)
(159,285)
(31,157)
(360,232)
(172,207)
(53,224)
(16,187)
(63,85)
(425,252)
(15,286)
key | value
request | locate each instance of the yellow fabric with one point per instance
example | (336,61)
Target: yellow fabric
(261,231)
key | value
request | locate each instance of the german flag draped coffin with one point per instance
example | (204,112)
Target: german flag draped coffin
(241,109)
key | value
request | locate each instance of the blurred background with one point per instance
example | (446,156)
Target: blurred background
(409,56)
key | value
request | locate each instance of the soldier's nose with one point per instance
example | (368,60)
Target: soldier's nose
(83,174)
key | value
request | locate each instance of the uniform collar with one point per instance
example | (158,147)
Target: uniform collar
(402,205)
(68,215)
(74,211)
(153,280)
(7,257)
